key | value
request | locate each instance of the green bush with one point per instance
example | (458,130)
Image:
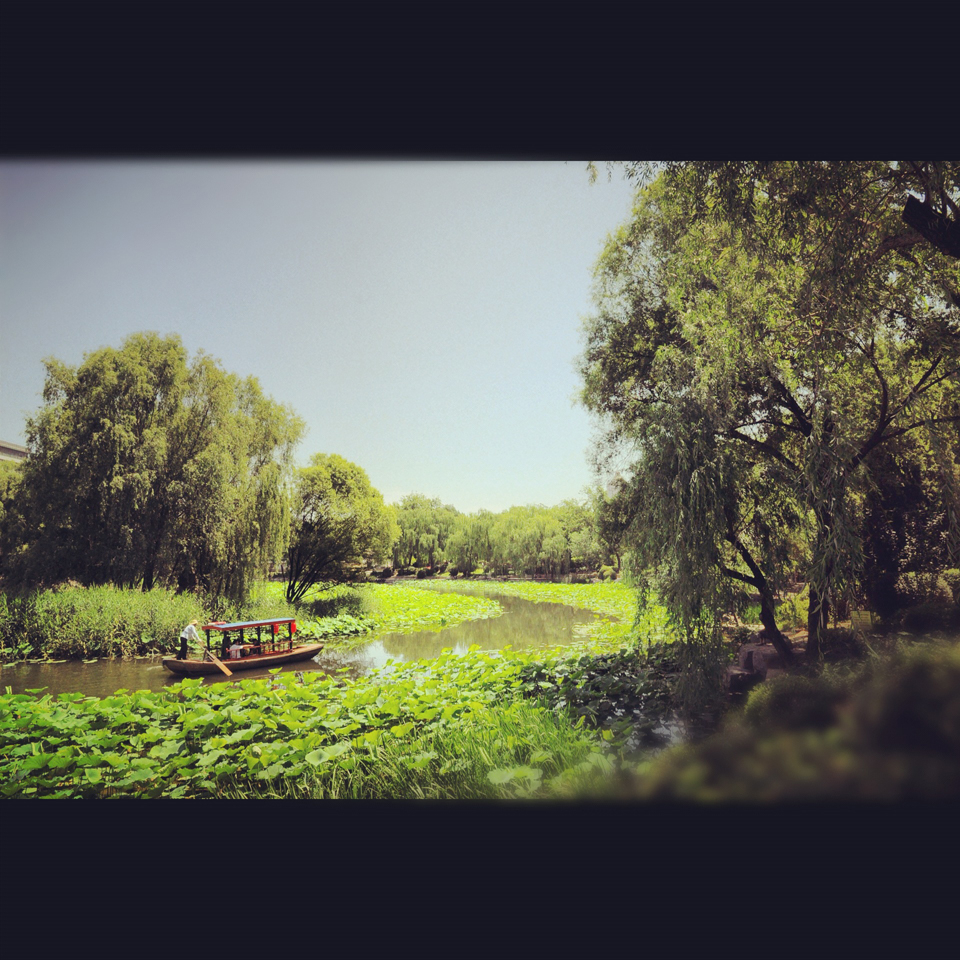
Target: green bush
(911,702)
(336,601)
(932,616)
(913,589)
(891,733)
(952,579)
(792,703)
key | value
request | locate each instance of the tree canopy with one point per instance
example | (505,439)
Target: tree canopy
(145,468)
(871,206)
(425,528)
(756,340)
(339,524)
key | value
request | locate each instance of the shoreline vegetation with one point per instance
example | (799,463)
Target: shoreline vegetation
(594,719)
(477,725)
(74,622)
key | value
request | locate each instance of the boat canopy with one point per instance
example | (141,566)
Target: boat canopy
(251,624)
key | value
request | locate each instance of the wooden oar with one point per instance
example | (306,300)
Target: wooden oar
(207,653)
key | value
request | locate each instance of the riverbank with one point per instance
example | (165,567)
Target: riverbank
(584,720)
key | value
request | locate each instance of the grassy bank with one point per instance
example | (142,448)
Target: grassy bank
(613,602)
(83,622)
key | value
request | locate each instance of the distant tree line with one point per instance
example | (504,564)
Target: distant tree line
(148,468)
(524,541)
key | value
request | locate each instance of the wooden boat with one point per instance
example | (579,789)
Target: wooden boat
(247,645)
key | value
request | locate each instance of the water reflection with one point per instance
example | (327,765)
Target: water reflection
(523,626)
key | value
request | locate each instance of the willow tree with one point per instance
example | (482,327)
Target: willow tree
(747,373)
(147,468)
(426,526)
(339,524)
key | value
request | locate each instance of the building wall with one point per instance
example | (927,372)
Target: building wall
(12,451)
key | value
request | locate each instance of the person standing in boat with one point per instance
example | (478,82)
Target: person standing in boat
(189,635)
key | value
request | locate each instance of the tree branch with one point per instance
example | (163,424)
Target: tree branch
(803,421)
(936,228)
(766,448)
(742,577)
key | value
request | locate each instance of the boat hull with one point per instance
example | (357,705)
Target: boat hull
(202,668)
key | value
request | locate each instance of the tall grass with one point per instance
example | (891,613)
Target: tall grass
(93,622)
(513,751)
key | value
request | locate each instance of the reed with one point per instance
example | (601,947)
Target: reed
(102,621)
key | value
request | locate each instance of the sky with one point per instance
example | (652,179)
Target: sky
(422,317)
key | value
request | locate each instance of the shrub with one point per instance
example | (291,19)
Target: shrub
(792,612)
(911,702)
(792,703)
(893,733)
(952,579)
(913,589)
(335,602)
(932,616)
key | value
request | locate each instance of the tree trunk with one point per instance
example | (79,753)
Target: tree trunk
(816,620)
(769,620)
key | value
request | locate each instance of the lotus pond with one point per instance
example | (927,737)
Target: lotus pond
(397,623)
(484,723)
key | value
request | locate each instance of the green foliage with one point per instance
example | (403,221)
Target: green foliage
(749,407)
(909,510)
(93,622)
(627,695)
(340,524)
(199,740)
(793,703)
(9,480)
(411,607)
(793,196)
(425,529)
(932,616)
(144,470)
(913,589)
(505,752)
(336,600)
(892,732)
(952,580)
(791,611)
(527,541)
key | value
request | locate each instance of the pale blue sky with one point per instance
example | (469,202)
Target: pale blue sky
(422,317)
